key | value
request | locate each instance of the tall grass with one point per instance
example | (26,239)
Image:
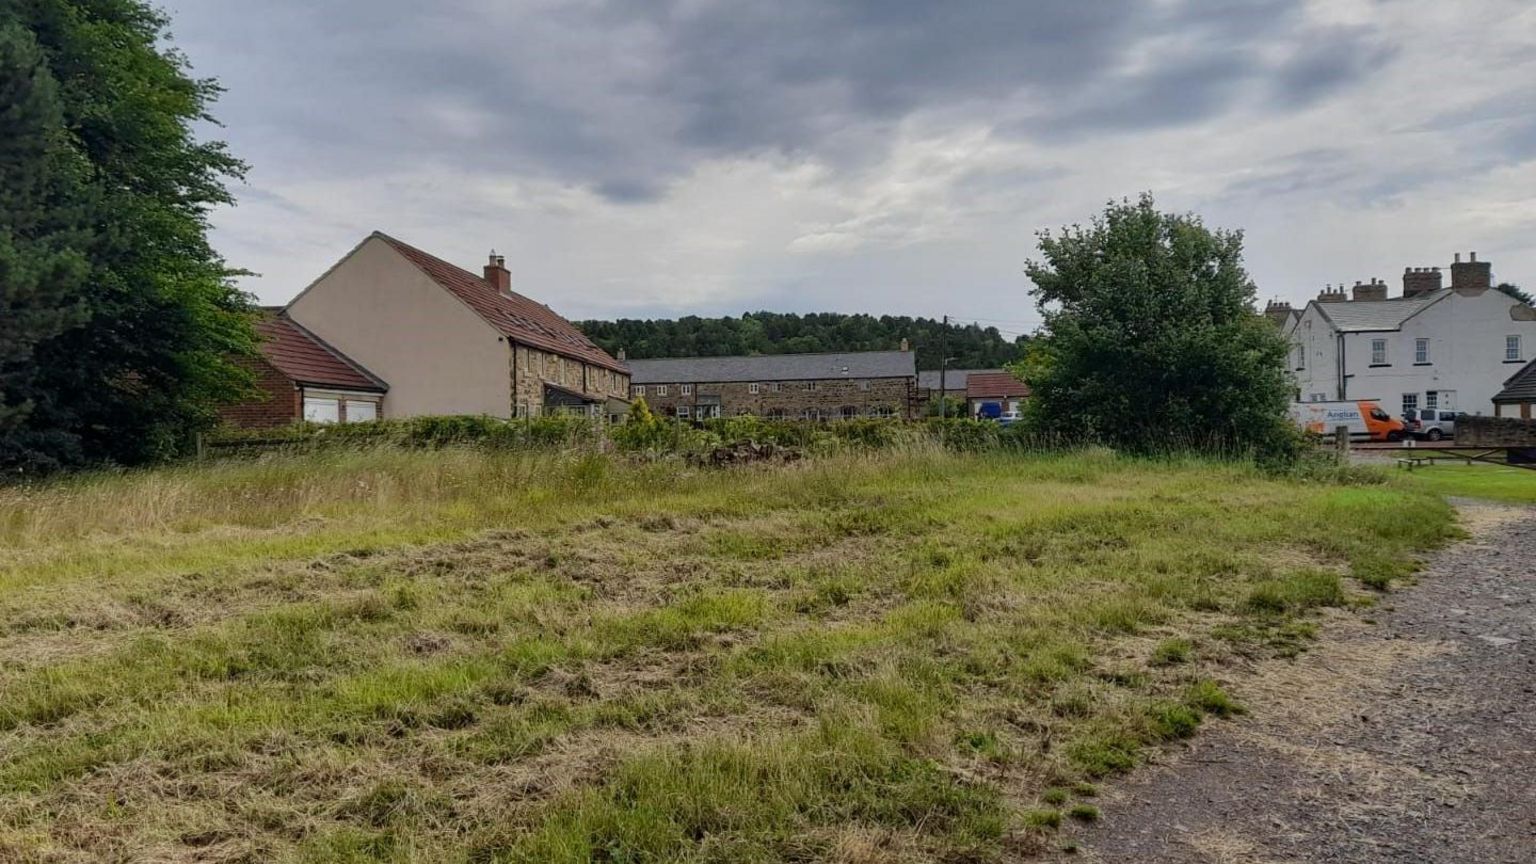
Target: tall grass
(503,655)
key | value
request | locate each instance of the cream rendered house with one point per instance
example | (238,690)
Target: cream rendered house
(448,341)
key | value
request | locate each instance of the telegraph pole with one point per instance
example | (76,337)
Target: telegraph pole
(944,370)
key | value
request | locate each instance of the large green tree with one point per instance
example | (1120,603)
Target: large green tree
(151,358)
(42,218)
(1151,338)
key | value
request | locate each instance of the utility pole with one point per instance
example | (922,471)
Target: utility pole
(944,370)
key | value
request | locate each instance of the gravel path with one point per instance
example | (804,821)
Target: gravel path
(1407,735)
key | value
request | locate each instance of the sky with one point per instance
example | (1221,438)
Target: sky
(656,158)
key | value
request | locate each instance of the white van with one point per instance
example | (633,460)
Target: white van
(1365,419)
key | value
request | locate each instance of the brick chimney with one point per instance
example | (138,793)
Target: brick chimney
(1421,280)
(1471,277)
(1332,295)
(622,356)
(1372,290)
(497,274)
(1278,312)
(905,345)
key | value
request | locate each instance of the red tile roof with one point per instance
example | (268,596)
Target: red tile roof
(517,317)
(994,385)
(303,357)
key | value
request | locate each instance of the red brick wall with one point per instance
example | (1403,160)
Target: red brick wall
(280,406)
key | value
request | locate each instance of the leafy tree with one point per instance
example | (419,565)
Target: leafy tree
(162,320)
(1151,338)
(1516,292)
(972,346)
(42,268)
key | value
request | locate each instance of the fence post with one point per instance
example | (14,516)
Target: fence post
(1341,441)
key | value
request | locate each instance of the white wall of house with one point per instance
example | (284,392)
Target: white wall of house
(1464,366)
(436,354)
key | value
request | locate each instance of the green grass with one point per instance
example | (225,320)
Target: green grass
(1491,482)
(458,655)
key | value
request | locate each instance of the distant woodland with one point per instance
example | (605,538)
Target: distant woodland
(971,346)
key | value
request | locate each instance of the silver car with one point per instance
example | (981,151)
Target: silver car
(1434,425)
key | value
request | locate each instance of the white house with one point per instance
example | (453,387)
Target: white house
(1433,347)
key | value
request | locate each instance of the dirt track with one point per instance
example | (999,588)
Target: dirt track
(1408,734)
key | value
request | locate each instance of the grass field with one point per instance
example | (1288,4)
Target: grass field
(462,656)
(1492,482)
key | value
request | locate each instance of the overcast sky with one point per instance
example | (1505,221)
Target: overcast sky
(642,159)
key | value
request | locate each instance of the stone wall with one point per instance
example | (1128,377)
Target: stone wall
(828,397)
(1495,432)
(533,368)
(277,405)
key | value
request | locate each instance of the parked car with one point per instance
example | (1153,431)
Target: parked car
(1008,418)
(1433,425)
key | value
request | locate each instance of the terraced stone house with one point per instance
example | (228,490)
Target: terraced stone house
(830,386)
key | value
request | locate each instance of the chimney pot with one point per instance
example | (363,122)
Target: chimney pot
(496,273)
(1474,256)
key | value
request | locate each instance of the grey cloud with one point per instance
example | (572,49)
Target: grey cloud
(623,96)
(1326,62)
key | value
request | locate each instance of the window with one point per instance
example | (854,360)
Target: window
(637,390)
(810,385)
(1378,352)
(361,412)
(753,388)
(849,412)
(1301,357)
(775,387)
(884,411)
(811,414)
(322,410)
(1319,397)
(1421,351)
(682,411)
(1511,349)
(1410,403)
(863,385)
(686,389)
(661,389)
(1432,400)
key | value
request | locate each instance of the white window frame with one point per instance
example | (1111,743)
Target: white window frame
(1432,400)
(1410,403)
(811,385)
(637,389)
(753,388)
(1513,349)
(685,389)
(863,385)
(1421,350)
(314,409)
(684,411)
(353,404)
(1378,352)
(775,387)
(661,389)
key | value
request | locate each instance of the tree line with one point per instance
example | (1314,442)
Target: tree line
(971,346)
(119,324)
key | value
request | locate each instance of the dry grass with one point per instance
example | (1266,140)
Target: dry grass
(457,656)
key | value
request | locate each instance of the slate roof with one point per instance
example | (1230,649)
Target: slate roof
(1521,386)
(1364,316)
(954,379)
(307,359)
(774,367)
(517,317)
(994,385)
